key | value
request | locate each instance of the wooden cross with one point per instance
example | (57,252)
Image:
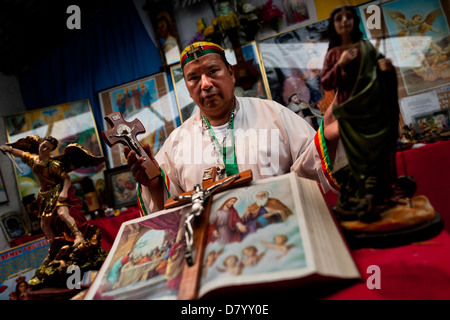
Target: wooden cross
(125,133)
(196,230)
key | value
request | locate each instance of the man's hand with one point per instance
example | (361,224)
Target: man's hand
(138,169)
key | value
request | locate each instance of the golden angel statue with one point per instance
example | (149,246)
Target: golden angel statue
(55,196)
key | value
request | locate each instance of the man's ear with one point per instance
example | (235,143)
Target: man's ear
(231,69)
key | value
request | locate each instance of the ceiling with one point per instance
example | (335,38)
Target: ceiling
(30,29)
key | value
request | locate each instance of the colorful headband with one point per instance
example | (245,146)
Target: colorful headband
(198,49)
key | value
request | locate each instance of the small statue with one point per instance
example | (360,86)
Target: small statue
(52,174)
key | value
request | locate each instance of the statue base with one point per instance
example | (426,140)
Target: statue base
(400,225)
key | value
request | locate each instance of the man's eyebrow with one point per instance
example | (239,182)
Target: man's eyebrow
(207,67)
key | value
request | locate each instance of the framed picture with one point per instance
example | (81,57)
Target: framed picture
(293,62)
(3,194)
(419,33)
(68,123)
(260,89)
(165,29)
(185,103)
(79,193)
(147,99)
(433,124)
(120,187)
(13,225)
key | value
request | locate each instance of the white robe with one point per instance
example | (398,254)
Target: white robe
(270,140)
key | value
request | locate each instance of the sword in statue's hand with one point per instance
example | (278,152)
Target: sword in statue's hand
(13,160)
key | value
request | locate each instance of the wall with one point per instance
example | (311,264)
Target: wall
(10,102)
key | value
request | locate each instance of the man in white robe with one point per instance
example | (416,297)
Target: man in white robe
(266,137)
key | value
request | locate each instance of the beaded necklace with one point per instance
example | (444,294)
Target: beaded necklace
(227,154)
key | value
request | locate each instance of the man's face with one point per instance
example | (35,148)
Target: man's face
(211,85)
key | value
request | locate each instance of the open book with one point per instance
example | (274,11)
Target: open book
(248,242)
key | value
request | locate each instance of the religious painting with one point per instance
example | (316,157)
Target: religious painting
(19,264)
(68,123)
(145,261)
(13,225)
(185,103)
(282,15)
(165,29)
(253,230)
(259,89)
(120,187)
(420,38)
(432,125)
(148,99)
(293,62)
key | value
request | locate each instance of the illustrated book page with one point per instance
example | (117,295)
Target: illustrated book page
(146,260)
(274,230)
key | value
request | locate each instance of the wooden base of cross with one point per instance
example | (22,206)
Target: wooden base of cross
(192,269)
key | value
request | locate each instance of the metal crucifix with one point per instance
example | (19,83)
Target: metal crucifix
(199,198)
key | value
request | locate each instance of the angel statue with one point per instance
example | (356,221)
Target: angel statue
(55,196)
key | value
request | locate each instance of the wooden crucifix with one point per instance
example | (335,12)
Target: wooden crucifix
(125,133)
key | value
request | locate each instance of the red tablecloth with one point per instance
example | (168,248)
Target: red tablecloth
(419,271)
(110,226)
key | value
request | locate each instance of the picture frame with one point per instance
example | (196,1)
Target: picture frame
(3,193)
(120,187)
(69,123)
(414,49)
(151,101)
(166,33)
(13,225)
(292,62)
(260,89)
(432,125)
(79,193)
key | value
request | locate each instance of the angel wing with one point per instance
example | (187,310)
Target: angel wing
(399,20)
(29,143)
(395,15)
(76,156)
(432,16)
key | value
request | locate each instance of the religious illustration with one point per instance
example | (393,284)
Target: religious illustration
(294,80)
(147,99)
(147,262)
(252,231)
(421,42)
(71,123)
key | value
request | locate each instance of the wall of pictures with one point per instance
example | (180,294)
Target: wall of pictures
(414,34)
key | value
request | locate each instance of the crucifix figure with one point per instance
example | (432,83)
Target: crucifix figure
(199,197)
(125,133)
